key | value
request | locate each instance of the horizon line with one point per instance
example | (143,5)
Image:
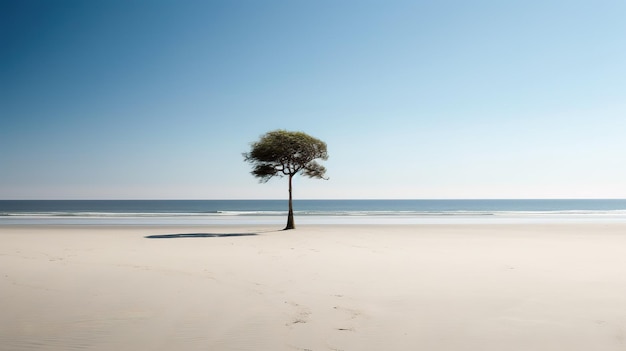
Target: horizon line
(325,199)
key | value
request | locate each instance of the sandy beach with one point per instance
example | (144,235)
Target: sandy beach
(346,287)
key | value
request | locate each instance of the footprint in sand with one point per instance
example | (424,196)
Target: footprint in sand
(301,315)
(349,317)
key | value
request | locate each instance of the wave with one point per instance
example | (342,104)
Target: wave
(305,213)
(99,214)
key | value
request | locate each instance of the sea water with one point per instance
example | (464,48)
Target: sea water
(273,212)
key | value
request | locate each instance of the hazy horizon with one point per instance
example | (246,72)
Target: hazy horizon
(306,199)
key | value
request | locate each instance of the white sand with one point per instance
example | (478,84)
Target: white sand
(405,287)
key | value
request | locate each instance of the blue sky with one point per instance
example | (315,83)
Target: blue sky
(415,99)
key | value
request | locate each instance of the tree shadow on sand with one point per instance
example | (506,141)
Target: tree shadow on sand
(198,235)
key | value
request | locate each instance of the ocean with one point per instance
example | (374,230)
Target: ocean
(228,212)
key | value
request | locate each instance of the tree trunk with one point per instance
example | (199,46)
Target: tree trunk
(290,222)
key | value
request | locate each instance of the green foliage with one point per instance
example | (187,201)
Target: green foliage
(280,153)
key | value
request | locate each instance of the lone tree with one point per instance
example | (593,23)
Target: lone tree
(283,153)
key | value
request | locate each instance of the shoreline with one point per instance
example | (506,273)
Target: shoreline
(498,286)
(313,220)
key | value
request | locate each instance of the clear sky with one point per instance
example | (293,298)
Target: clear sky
(129,99)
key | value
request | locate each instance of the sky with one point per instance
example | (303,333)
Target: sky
(130,99)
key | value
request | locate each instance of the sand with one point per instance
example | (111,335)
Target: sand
(347,287)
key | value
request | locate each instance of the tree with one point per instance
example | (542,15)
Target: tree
(283,153)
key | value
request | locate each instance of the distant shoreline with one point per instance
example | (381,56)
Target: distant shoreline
(243,212)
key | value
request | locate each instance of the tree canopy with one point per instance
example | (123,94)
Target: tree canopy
(284,153)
